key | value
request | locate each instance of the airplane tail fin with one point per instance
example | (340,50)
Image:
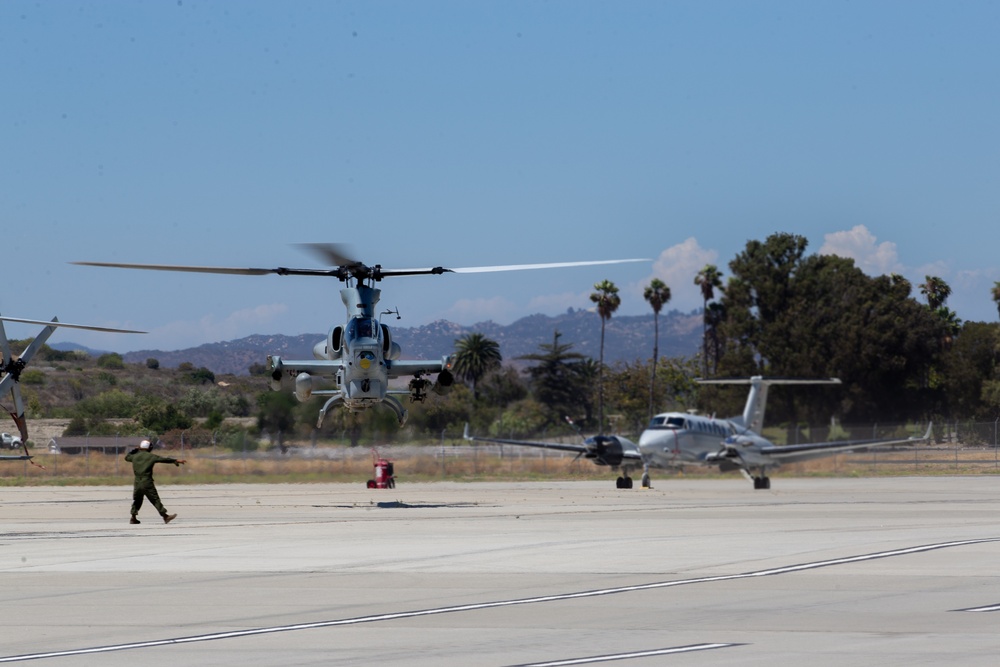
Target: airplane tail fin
(753,412)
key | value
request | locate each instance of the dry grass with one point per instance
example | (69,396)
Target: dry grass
(342,464)
(335,465)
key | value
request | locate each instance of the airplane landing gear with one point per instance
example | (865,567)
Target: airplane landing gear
(762,482)
(624,482)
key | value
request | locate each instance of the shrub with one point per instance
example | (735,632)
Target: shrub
(111,361)
(32,376)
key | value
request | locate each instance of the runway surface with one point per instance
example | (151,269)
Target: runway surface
(692,572)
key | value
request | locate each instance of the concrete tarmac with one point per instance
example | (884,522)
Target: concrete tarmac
(813,572)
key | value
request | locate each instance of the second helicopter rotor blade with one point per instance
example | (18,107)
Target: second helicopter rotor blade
(551,265)
(334,254)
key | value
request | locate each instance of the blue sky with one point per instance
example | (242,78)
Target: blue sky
(480,133)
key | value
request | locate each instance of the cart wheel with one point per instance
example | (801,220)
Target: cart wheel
(371,484)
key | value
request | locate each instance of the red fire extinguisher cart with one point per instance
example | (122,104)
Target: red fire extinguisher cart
(384,476)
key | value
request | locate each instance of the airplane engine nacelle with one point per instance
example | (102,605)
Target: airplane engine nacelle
(605,451)
(443,383)
(303,387)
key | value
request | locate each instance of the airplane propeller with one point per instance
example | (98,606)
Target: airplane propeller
(11,368)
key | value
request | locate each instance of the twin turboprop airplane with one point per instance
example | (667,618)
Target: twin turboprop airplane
(673,440)
(359,356)
(12,367)
(614,451)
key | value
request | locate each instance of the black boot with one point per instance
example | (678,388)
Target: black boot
(167,518)
(134,520)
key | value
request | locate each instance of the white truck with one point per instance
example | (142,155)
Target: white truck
(10,441)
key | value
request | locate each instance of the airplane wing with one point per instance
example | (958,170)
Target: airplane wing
(563,447)
(805,452)
(20,457)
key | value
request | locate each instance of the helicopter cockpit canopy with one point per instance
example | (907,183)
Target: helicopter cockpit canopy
(361,327)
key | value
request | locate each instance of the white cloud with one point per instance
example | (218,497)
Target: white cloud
(677,266)
(859,244)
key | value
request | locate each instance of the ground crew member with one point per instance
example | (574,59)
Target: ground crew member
(142,461)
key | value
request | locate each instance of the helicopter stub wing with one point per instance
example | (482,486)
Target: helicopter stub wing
(401,367)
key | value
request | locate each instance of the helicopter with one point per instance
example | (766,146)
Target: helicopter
(359,356)
(12,366)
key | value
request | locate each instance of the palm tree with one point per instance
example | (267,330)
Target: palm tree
(475,356)
(708,279)
(996,295)
(657,294)
(607,300)
(936,290)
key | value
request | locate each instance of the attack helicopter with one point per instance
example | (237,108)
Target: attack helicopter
(12,366)
(359,357)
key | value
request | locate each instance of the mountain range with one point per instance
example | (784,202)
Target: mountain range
(626,338)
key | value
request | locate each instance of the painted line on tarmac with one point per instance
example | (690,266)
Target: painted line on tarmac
(627,656)
(375,618)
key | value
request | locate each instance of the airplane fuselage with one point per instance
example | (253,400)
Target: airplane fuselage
(675,439)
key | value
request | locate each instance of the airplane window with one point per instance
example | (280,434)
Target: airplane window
(675,422)
(656,421)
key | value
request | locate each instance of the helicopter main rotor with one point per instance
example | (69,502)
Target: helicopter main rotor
(346,268)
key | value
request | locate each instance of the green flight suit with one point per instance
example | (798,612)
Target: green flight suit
(142,461)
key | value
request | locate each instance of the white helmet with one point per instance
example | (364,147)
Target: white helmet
(144,444)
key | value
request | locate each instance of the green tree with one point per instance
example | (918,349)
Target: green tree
(816,316)
(275,413)
(708,280)
(607,300)
(158,416)
(554,379)
(201,375)
(152,364)
(627,383)
(475,356)
(656,294)
(967,368)
(995,293)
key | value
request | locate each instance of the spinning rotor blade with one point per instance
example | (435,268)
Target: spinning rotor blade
(281,271)
(57,323)
(345,267)
(528,267)
(334,254)
(173,267)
